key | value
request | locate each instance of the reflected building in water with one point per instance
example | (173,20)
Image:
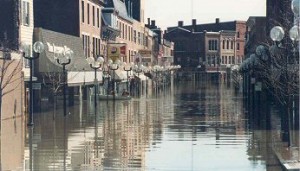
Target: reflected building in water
(116,137)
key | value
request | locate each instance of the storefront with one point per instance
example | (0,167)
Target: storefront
(49,68)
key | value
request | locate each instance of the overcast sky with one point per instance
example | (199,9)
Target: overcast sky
(168,12)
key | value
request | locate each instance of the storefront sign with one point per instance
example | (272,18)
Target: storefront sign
(116,50)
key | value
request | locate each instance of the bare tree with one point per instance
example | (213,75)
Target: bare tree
(11,76)
(11,80)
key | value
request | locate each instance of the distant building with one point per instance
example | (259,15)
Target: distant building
(187,49)
(220,51)
(163,50)
(206,44)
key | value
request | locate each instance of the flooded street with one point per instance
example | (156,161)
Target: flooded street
(194,127)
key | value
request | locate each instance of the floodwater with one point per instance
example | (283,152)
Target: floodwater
(184,128)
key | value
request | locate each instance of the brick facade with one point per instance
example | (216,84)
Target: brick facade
(192,42)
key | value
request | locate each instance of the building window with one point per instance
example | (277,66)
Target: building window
(27,47)
(25,13)
(120,28)
(82,11)
(86,45)
(238,34)
(213,45)
(125,32)
(134,36)
(227,47)
(231,46)
(209,60)
(88,13)
(139,38)
(224,44)
(83,43)
(146,41)
(99,45)
(94,45)
(129,33)
(98,18)
(238,46)
(93,15)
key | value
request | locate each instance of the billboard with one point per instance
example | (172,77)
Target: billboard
(116,50)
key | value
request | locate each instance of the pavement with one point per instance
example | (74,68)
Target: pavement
(288,156)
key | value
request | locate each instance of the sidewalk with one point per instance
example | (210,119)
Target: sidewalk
(288,156)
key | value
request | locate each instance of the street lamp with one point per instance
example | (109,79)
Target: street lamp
(38,47)
(277,34)
(64,58)
(113,66)
(106,77)
(95,64)
(138,69)
(156,69)
(127,68)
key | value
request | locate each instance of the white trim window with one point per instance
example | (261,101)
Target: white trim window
(25,13)
(28,52)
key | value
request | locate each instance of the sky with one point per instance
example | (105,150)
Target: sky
(167,13)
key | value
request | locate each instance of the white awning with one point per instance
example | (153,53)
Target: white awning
(119,75)
(76,78)
(141,76)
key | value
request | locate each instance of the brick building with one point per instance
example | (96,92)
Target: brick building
(81,18)
(187,49)
(190,45)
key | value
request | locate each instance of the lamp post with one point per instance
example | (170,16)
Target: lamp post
(106,77)
(138,69)
(95,64)
(156,69)
(127,68)
(64,58)
(113,66)
(38,47)
(277,35)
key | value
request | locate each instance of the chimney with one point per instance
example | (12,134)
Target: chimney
(180,23)
(217,20)
(148,21)
(194,22)
(152,22)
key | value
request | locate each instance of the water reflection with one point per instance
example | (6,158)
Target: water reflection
(190,127)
